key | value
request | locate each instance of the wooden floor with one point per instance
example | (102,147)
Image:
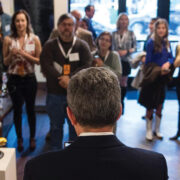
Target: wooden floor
(130,130)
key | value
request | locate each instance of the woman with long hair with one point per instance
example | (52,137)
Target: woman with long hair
(21,51)
(156,75)
(124,42)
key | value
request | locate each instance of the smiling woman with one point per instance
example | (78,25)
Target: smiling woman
(21,51)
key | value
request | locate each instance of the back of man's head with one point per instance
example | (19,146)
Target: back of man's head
(93,96)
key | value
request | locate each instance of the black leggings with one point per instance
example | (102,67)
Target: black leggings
(23,89)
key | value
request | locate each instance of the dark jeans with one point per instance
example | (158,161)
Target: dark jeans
(178,96)
(23,89)
(56,108)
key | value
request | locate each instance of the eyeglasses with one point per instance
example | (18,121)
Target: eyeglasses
(105,40)
(67,24)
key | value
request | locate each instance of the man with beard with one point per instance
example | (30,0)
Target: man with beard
(60,59)
(80,32)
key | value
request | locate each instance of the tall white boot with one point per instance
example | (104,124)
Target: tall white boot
(157,128)
(149,134)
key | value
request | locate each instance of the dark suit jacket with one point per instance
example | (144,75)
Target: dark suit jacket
(90,27)
(97,158)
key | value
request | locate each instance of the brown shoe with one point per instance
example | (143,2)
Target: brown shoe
(32,144)
(20,145)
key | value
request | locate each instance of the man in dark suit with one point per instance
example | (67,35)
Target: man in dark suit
(93,107)
(89,13)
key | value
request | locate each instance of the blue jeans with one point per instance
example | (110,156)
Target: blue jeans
(56,109)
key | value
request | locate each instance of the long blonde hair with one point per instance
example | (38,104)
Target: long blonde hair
(119,17)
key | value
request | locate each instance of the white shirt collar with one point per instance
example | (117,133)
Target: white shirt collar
(87,17)
(96,133)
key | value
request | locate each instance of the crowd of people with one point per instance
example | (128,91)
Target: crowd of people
(86,77)
(73,46)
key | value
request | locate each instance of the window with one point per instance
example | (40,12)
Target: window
(140,12)
(174,23)
(106,12)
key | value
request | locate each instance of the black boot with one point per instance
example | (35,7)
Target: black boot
(176,136)
(178,132)
(123,94)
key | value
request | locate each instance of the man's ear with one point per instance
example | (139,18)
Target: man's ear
(120,113)
(71,116)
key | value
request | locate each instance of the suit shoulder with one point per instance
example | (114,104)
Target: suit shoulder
(84,31)
(42,159)
(81,42)
(148,155)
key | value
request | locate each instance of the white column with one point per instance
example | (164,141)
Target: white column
(8,164)
(8,6)
(60,7)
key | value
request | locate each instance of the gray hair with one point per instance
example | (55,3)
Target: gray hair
(93,96)
(65,16)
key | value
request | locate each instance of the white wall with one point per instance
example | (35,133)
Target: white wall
(60,7)
(8,6)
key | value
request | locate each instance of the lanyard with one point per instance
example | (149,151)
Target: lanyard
(62,49)
(106,56)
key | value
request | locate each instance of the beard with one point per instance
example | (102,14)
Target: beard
(67,35)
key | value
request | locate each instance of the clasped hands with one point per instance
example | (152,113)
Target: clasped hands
(17,52)
(125,52)
(64,81)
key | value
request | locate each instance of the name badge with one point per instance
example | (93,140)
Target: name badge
(73,57)
(58,67)
(66,69)
(7,28)
(30,47)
